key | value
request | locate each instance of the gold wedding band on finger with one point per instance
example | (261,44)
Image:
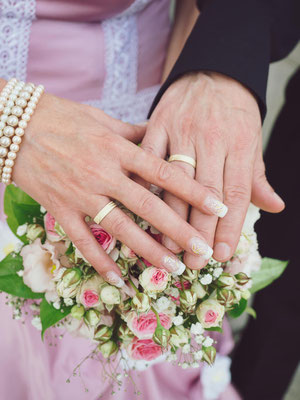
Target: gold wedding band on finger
(104,212)
(181,157)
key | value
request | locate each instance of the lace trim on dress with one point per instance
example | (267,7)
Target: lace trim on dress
(16,17)
(119,97)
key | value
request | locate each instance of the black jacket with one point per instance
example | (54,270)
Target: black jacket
(239,38)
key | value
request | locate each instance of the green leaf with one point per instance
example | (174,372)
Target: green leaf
(11,264)
(14,285)
(20,208)
(215,329)
(50,315)
(251,312)
(269,271)
(69,250)
(238,309)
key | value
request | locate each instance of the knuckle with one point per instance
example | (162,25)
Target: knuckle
(118,226)
(215,191)
(146,204)
(164,171)
(234,194)
(187,124)
(149,148)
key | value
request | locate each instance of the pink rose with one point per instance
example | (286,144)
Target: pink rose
(49,222)
(154,279)
(210,313)
(107,241)
(144,325)
(90,298)
(145,349)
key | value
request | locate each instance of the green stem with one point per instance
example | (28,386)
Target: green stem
(157,316)
(133,285)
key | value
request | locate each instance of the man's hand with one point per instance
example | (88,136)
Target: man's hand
(216,120)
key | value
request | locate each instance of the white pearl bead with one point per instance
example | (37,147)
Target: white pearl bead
(17,110)
(16,139)
(29,110)
(11,155)
(10,103)
(13,97)
(40,88)
(6,176)
(13,80)
(19,131)
(15,92)
(29,88)
(34,98)
(14,147)
(9,131)
(4,117)
(3,151)
(2,125)
(25,95)
(37,94)
(6,110)
(5,141)
(22,124)
(1,161)
(9,163)
(6,181)
(21,102)
(26,117)
(7,170)
(12,120)
(31,104)
(3,99)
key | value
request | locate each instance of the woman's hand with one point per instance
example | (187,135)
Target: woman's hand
(75,158)
(215,120)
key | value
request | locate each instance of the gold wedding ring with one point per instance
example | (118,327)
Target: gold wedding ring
(104,211)
(183,158)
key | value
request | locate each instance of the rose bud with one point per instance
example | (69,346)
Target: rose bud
(125,333)
(226,297)
(110,295)
(103,333)
(209,354)
(190,274)
(77,311)
(140,302)
(198,288)
(69,284)
(246,294)
(188,300)
(123,265)
(54,231)
(210,313)
(179,336)
(108,348)
(161,336)
(92,317)
(127,254)
(242,278)
(226,281)
(34,231)
(238,295)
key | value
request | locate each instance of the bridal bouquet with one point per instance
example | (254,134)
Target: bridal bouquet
(155,315)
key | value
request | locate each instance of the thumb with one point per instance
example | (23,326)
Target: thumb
(263,195)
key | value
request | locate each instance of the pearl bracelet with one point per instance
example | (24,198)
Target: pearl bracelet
(18,102)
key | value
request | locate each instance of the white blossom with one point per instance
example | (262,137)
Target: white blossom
(215,378)
(208,341)
(178,320)
(206,279)
(36,322)
(199,339)
(162,304)
(198,355)
(186,348)
(217,272)
(22,229)
(197,329)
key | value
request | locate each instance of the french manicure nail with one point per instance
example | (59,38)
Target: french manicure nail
(222,251)
(174,264)
(114,279)
(215,206)
(201,248)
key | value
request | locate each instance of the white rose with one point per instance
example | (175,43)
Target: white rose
(89,292)
(110,295)
(210,313)
(154,279)
(40,266)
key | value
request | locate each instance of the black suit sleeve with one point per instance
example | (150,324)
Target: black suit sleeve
(239,38)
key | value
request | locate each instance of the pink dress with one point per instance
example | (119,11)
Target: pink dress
(109,54)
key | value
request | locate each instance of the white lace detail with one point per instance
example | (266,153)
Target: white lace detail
(16,17)
(119,97)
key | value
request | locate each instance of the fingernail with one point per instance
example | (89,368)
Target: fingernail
(174,264)
(278,198)
(201,248)
(114,279)
(222,251)
(215,206)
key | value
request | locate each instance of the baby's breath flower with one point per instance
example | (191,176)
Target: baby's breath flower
(206,279)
